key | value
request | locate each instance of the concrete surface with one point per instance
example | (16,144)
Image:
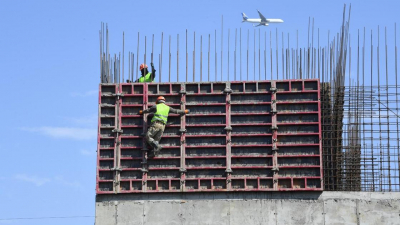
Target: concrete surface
(249,208)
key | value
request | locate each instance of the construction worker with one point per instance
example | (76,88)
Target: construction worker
(160,118)
(146,75)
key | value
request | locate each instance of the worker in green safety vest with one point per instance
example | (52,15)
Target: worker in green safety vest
(146,75)
(158,122)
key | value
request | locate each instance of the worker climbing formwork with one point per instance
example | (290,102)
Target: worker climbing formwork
(158,123)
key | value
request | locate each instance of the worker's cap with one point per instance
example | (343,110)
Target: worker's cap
(142,66)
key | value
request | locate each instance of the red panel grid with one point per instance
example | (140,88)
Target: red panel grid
(239,136)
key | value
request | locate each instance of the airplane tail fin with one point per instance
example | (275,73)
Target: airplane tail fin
(244,17)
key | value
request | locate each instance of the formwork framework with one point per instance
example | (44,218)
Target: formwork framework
(239,136)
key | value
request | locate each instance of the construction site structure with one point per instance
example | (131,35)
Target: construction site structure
(291,131)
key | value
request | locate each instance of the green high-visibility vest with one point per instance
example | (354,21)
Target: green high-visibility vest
(161,114)
(146,78)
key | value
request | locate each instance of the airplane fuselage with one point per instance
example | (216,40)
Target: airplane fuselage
(268,21)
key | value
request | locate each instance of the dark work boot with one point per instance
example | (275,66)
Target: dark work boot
(151,154)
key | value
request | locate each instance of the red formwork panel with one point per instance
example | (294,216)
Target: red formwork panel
(239,136)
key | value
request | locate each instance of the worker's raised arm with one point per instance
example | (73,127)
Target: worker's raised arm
(153,109)
(178,111)
(153,72)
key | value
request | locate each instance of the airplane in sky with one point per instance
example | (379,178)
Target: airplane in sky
(262,21)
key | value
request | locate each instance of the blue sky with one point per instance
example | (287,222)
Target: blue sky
(49,62)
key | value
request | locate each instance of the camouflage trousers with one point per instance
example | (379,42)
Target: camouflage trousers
(154,133)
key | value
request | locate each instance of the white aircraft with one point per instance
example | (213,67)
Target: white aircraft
(262,21)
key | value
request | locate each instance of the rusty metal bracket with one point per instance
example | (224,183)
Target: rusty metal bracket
(182,130)
(228,128)
(228,90)
(275,149)
(118,95)
(106,105)
(117,131)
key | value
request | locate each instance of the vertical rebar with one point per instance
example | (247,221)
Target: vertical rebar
(283,61)
(152,49)
(248,35)
(240,55)
(270,50)
(277,58)
(265,55)
(186,42)
(169,62)
(222,43)
(137,57)
(229,34)
(259,55)
(208,64)
(177,57)
(387,114)
(161,57)
(254,58)
(123,55)
(215,57)
(234,61)
(397,103)
(194,55)
(371,118)
(201,58)
(145,50)
(379,117)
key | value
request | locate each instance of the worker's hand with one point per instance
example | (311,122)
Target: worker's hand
(140,112)
(187,111)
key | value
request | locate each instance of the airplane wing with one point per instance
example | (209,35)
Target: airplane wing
(261,24)
(263,19)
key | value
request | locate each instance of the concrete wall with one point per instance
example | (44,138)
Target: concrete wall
(249,208)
